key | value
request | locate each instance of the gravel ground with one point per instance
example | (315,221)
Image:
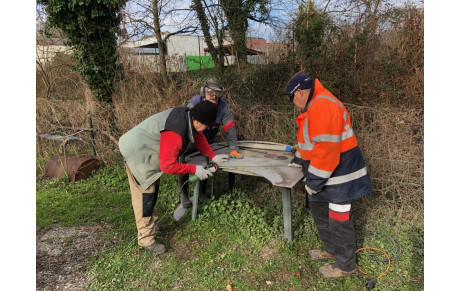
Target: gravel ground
(62,253)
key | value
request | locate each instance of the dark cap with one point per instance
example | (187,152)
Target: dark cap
(299,81)
(204,112)
(214,85)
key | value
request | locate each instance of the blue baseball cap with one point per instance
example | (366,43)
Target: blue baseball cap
(299,81)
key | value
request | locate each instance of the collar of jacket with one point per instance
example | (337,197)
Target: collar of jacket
(191,128)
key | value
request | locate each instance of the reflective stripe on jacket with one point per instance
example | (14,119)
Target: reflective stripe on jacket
(332,161)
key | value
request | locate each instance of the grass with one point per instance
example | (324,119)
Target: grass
(237,239)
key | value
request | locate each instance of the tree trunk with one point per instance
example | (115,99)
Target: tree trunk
(160,42)
(238,26)
(217,56)
(92,112)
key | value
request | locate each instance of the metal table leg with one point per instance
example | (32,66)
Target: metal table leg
(196,194)
(287,212)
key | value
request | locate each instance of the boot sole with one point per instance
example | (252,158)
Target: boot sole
(156,252)
(321,259)
(338,278)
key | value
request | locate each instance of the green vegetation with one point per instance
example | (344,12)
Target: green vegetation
(237,239)
(91,29)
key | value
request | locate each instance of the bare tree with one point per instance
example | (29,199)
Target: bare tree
(161,43)
(217,22)
(147,16)
(238,12)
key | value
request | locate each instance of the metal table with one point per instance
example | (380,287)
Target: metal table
(268,162)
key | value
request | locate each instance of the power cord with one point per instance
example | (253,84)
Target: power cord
(372,282)
(396,246)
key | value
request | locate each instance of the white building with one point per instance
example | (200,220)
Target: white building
(183,52)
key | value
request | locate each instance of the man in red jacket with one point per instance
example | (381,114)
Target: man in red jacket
(152,148)
(334,170)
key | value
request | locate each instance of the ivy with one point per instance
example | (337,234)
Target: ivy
(91,29)
(310,38)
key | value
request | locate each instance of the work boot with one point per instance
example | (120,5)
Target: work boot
(320,255)
(330,272)
(156,248)
(186,203)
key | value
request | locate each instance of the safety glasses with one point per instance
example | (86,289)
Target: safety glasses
(212,92)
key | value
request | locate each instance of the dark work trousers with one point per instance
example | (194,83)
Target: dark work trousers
(338,236)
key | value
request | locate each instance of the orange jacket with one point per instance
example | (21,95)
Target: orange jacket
(332,161)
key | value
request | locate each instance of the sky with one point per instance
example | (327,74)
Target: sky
(282,12)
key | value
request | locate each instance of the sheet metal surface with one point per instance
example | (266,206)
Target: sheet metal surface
(270,164)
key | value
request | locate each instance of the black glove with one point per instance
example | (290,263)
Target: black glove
(296,162)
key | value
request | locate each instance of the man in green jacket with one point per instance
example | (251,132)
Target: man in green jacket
(152,148)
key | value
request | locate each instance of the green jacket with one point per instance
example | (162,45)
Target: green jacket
(140,146)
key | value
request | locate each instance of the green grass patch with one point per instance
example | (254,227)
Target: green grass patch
(237,239)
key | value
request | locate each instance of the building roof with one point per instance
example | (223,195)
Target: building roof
(256,43)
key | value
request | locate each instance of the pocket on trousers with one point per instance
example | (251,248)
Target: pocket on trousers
(147,204)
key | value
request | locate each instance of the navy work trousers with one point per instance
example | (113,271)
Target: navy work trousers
(338,236)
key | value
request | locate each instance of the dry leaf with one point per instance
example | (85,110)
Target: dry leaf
(297,274)
(268,282)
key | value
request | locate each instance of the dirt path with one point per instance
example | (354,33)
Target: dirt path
(62,253)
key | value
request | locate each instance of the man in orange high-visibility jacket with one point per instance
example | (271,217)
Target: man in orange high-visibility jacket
(334,170)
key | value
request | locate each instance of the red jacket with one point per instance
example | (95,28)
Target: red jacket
(171,145)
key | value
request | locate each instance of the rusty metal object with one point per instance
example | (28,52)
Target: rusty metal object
(270,156)
(74,167)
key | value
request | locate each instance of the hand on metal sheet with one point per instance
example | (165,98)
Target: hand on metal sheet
(295,162)
(202,173)
(213,169)
(220,158)
(236,155)
(310,191)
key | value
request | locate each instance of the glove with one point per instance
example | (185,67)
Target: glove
(236,155)
(310,191)
(220,158)
(213,169)
(202,173)
(295,162)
